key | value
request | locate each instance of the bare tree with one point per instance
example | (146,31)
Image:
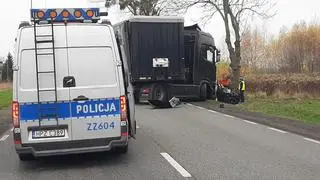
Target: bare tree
(233,13)
(142,7)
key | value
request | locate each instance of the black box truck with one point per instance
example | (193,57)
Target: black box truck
(166,59)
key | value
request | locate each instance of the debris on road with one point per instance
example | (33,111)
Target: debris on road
(174,102)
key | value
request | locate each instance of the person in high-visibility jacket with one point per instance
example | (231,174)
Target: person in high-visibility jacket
(242,88)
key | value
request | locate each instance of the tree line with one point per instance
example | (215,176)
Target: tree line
(6,70)
(294,51)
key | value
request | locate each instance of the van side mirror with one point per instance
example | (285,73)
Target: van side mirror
(218,56)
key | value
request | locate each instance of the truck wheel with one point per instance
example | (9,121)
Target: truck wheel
(159,93)
(203,92)
(26,157)
(214,97)
(137,96)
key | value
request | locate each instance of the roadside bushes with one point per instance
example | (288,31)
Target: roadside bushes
(291,85)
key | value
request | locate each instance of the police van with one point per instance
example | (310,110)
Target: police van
(71,93)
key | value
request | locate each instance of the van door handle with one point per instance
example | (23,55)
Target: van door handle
(69,81)
(81,98)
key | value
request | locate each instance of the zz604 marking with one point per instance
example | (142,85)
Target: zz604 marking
(100,126)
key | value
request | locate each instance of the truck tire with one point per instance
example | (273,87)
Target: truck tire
(136,97)
(159,93)
(203,92)
(159,96)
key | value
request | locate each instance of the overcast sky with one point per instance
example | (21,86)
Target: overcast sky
(14,11)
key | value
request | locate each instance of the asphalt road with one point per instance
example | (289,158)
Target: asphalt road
(181,143)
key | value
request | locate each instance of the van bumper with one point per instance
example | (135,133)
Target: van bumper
(71,147)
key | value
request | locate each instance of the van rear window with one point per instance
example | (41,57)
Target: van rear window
(93,66)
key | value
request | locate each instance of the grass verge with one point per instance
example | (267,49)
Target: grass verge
(5,98)
(306,110)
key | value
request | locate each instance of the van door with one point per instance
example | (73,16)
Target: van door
(33,130)
(95,96)
(129,90)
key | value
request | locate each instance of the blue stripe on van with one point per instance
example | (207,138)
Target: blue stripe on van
(86,109)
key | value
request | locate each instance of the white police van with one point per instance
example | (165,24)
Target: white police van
(70,89)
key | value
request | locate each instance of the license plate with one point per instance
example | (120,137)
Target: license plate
(48,133)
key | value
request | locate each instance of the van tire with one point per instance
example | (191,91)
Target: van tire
(26,157)
(203,92)
(121,149)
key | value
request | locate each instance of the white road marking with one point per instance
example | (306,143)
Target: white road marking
(249,122)
(199,107)
(226,115)
(137,126)
(212,111)
(176,165)
(11,129)
(312,140)
(190,104)
(275,129)
(4,137)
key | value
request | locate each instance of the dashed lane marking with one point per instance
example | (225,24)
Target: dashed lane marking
(176,165)
(4,138)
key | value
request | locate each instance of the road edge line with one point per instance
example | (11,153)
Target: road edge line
(199,107)
(278,130)
(311,140)
(250,122)
(229,116)
(212,111)
(176,165)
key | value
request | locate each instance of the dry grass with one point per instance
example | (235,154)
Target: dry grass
(5,86)
(285,85)
(279,85)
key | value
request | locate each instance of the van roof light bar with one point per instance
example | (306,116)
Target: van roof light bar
(66,15)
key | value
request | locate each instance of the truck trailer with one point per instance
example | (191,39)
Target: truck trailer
(166,59)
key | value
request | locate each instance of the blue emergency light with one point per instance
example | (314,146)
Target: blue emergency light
(66,15)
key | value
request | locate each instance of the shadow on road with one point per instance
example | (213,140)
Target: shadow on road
(78,161)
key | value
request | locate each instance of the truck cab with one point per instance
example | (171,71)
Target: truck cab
(201,56)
